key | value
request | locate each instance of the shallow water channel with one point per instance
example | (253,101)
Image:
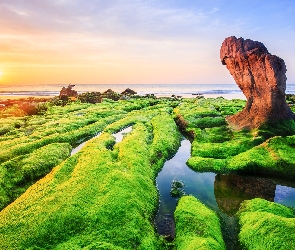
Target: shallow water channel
(221,192)
(118,136)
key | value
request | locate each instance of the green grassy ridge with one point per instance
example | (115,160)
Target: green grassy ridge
(62,119)
(266,225)
(204,119)
(144,115)
(5,129)
(61,125)
(70,121)
(18,174)
(225,149)
(211,135)
(197,227)
(227,107)
(101,204)
(71,107)
(9,124)
(72,137)
(55,113)
(166,140)
(137,104)
(275,156)
(268,149)
(98,198)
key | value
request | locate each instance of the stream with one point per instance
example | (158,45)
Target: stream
(223,193)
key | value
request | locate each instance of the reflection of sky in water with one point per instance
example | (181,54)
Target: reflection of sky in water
(119,136)
(285,195)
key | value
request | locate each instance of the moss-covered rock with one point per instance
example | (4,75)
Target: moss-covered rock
(197,227)
(266,225)
(269,149)
(274,157)
(19,173)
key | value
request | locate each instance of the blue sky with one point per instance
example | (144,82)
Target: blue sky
(135,41)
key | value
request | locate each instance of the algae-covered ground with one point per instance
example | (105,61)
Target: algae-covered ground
(105,197)
(268,150)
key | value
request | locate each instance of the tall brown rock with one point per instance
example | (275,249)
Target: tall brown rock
(262,78)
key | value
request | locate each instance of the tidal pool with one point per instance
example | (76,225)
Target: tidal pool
(221,192)
(118,136)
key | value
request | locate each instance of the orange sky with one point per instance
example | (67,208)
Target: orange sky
(135,41)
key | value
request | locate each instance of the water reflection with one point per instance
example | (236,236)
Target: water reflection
(231,190)
(120,135)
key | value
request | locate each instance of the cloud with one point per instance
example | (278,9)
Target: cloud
(120,33)
(110,18)
(127,28)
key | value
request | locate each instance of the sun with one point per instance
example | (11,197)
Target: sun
(1,73)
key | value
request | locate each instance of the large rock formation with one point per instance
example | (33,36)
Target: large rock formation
(262,78)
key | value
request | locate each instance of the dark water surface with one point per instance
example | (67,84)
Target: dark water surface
(221,192)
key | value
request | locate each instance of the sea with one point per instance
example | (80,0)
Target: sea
(228,91)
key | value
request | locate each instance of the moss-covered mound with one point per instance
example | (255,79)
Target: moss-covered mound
(197,227)
(266,225)
(18,174)
(215,147)
(103,197)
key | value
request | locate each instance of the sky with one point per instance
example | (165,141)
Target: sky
(135,41)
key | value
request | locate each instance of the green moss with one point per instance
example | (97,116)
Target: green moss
(19,173)
(266,225)
(222,150)
(282,128)
(212,135)
(268,149)
(74,137)
(208,122)
(197,227)
(99,198)
(275,157)
(166,140)
(202,164)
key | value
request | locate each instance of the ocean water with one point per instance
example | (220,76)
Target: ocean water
(229,91)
